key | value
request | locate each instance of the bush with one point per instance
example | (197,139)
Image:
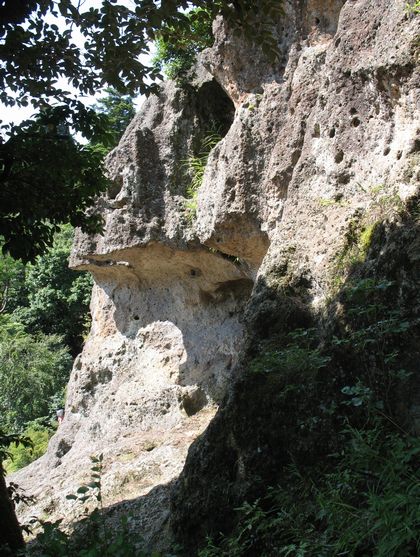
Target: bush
(20,455)
(195,167)
(367,505)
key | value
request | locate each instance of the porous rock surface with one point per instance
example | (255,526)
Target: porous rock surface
(308,141)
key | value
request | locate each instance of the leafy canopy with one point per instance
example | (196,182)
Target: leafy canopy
(46,179)
(118,110)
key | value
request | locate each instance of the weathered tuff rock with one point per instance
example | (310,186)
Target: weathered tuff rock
(307,144)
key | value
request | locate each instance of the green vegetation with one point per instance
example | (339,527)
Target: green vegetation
(195,167)
(413,7)
(366,505)
(53,299)
(22,454)
(176,50)
(300,357)
(44,317)
(33,369)
(118,111)
(34,205)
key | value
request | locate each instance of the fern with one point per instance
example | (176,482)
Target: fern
(196,166)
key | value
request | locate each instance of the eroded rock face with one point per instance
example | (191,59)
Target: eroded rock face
(307,145)
(167,326)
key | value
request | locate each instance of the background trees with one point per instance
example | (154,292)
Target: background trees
(176,50)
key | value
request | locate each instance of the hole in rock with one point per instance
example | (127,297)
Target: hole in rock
(332,132)
(339,157)
(115,187)
(63,448)
(415,147)
(215,109)
(355,122)
(194,402)
(343,178)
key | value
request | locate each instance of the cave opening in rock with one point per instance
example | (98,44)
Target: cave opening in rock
(215,108)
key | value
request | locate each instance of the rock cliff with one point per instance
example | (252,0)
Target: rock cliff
(325,139)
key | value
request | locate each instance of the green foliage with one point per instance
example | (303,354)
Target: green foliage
(57,299)
(32,369)
(119,111)
(195,166)
(376,332)
(299,358)
(22,454)
(413,7)
(33,204)
(176,50)
(370,502)
(12,283)
(115,36)
(47,307)
(9,441)
(367,505)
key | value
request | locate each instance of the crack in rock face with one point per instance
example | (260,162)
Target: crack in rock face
(178,297)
